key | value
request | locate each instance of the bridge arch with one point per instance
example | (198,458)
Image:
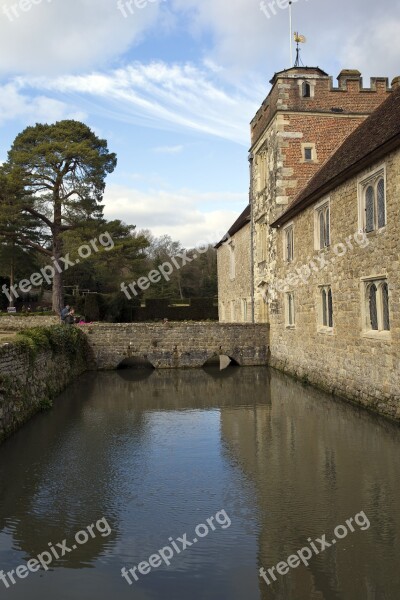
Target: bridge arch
(176,345)
(135,362)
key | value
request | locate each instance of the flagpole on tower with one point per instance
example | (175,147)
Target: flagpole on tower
(291,33)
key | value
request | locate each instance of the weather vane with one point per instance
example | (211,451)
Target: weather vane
(299,39)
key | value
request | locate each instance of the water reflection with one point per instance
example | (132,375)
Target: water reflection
(315,463)
(156,452)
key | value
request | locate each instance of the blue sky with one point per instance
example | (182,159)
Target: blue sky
(172,87)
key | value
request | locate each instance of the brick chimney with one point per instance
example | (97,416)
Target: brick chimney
(350,78)
(396,83)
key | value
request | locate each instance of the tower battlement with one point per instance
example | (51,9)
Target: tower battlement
(311,90)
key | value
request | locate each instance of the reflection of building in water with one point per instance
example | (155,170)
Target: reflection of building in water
(314,464)
(78,451)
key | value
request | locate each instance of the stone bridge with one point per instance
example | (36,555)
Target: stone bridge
(176,345)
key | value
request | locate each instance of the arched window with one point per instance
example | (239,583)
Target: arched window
(290,316)
(244,310)
(324,309)
(381,203)
(289,244)
(373,308)
(322,229)
(373,196)
(369,209)
(385,306)
(306,90)
(377,305)
(327,228)
(323,226)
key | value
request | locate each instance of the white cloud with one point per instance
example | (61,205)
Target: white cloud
(177,214)
(375,49)
(16,105)
(60,36)
(174,97)
(245,39)
(168,149)
(68,35)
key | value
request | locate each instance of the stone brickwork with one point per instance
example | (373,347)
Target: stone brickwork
(234,288)
(348,359)
(350,96)
(351,358)
(177,345)
(17,323)
(29,382)
(284,126)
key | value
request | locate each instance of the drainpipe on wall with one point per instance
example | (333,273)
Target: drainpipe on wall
(251,238)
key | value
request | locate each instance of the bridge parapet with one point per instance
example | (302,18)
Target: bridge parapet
(177,345)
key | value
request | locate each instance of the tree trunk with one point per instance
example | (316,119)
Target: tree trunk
(12,281)
(58,290)
(58,293)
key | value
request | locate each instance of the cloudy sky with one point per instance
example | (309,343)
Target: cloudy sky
(172,85)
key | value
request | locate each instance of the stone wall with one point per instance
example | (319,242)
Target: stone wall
(29,380)
(234,292)
(286,124)
(348,359)
(177,345)
(16,323)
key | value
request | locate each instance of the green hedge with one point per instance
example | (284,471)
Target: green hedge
(57,338)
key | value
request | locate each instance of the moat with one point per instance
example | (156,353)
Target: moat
(155,453)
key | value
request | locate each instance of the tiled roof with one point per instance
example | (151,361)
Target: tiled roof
(240,222)
(378,135)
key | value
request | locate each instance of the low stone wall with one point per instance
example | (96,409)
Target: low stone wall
(29,380)
(39,364)
(16,323)
(177,345)
(358,390)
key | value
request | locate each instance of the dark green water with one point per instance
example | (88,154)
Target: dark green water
(157,453)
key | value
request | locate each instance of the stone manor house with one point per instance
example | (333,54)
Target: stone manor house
(316,252)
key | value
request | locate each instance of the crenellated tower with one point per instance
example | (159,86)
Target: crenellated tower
(300,124)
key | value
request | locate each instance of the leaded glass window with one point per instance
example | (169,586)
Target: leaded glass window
(326,310)
(370,209)
(323,225)
(374,202)
(289,244)
(378,309)
(373,309)
(381,203)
